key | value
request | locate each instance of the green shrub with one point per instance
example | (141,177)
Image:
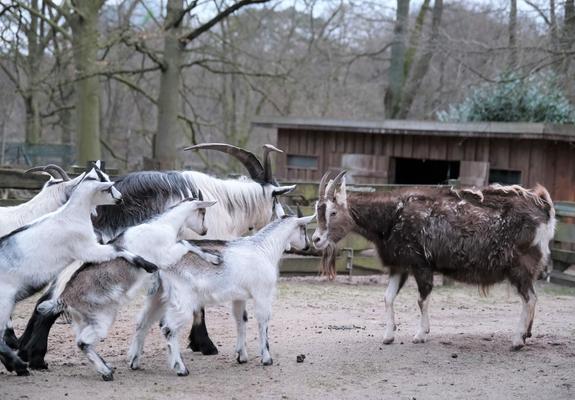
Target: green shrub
(537,98)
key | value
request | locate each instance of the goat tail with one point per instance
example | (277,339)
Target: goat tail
(543,194)
(52,306)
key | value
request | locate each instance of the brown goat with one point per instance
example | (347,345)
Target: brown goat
(474,236)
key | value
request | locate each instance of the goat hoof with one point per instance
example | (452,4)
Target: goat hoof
(22,372)
(208,349)
(268,362)
(184,373)
(108,377)
(388,340)
(38,365)
(241,360)
(134,366)
(517,347)
(418,340)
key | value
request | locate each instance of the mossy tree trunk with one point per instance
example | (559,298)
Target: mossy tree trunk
(168,131)
(84,23)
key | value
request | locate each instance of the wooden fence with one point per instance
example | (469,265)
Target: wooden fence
(358,255)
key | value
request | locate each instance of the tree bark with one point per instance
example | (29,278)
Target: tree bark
(568,36)
(396,77)
(84,24)
(512,38)
(33,61)
(168,130)
(422,65)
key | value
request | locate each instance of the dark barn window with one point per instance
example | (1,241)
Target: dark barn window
(504,176)
(305,162)
(414,171)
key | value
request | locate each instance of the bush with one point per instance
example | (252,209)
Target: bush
(537,98)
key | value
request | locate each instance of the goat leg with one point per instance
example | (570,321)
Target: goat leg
(199,339)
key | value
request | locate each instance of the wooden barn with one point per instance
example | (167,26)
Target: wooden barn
(426,152)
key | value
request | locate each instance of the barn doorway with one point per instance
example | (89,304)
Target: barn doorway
(415,171)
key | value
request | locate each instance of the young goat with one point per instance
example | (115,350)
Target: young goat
(249,270)
(474,236)
(34,254)
(243,205)
(54,194)
(94,294)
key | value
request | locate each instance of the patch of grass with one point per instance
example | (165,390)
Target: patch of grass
(557,290)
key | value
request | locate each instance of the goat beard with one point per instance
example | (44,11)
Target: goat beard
(328,261)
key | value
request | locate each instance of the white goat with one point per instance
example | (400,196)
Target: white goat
(94,294)
(249,270)
(53,195)
(34,254)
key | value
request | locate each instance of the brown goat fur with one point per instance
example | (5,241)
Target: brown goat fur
(474,236)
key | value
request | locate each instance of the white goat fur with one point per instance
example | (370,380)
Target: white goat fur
(249,270)
(53,195)
(242,205)
(33,255)
(95,293)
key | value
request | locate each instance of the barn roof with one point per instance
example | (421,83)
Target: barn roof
(508,130)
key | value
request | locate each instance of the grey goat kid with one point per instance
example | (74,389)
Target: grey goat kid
(94,294)
(249,271)
(34,254)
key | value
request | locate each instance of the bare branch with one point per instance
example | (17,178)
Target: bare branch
(49,21)
(190,36)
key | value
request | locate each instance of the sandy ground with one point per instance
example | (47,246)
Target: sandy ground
(338,326)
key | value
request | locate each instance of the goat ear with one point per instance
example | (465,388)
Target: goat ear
(279,210)
(105,185)
(205,204)
(341,194)
(278,191)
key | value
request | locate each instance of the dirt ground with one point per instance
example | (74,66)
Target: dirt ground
(338,326)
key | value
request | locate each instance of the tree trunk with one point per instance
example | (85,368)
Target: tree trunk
(33,61)
(422,65)
(84,23)
(168,131)
(415,37)
(513,57)
(392,98)
(568,36)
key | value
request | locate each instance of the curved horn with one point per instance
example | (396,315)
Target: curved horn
(323,183)
(58,169)
(249,160)
(36,169)
(200,195)
(299,213)
(336,181)
(53,170)
(268,177)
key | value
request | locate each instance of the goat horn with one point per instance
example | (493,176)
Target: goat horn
(299,213)
(58,169)
(200,195)
(323,183)
(268,177)
(53,170)
(248,159)
(331,191)
(35,169)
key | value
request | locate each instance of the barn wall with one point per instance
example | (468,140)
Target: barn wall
(549,163)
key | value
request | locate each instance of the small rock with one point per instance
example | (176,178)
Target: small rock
(454,355)
(300,358)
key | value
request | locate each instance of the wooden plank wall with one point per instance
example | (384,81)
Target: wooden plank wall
(550,163)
